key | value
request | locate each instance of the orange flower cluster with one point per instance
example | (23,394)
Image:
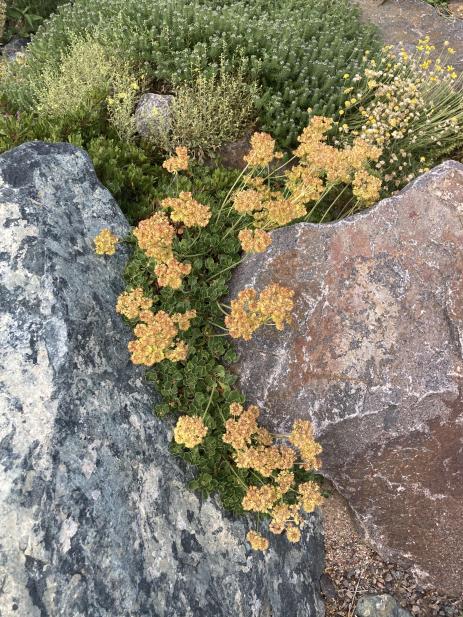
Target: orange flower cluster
(339,165)
(105,242)
(155,236)
(248,201)
(239,432)
(190,431)
(309,496)
(254,240)
(249,312)
(170,273)
(257,542)
(366,187)
(260,498)
(186,210)
(132,303)
(157,337)
(269,208)
(262,150)
(179,162)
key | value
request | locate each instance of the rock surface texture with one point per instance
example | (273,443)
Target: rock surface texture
(374,359)
(406,21)
(95,516)
(153,115)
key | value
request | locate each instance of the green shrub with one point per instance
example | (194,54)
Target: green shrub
(296,50)
(210,111)
(72,93)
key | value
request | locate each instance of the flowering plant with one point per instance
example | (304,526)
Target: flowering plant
(183,257)
(409,105)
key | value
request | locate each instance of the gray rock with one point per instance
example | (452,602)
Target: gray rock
(14,47)
(153,115)
(374,359)
(402,612)
(95,516)
(377,606)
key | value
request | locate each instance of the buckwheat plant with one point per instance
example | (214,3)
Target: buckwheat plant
(184,254)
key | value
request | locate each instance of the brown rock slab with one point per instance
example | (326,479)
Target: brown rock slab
(374,360)
(406,21)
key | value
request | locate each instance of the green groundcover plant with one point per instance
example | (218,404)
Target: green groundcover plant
(295,50)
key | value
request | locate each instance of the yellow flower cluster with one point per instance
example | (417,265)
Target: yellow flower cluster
(170,273)
(239,432)
(132,303)
(190,431)
(366,187)
(309,496)
(254,240)
(179,162)
(250,311)
(262,151)
(186,210)
(302,438)
(260,498)
(257,542)
(105,242)
(157,337)
(339,165)
(320,168)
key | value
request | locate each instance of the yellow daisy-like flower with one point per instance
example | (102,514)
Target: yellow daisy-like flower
(105,242)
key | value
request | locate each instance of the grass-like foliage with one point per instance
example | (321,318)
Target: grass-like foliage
(409,105)
(295,50)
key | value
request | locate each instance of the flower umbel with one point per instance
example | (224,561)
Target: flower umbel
(250,311)
(262,150)
(186,210)
(179,162)
(131,303)
(105,242)
(257,542)
(155,236)
(190,431)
